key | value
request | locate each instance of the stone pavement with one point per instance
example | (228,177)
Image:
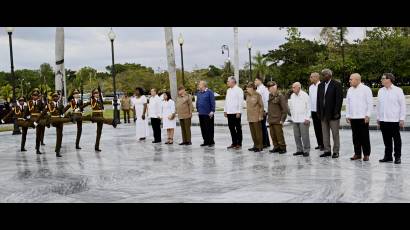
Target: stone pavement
(128,170)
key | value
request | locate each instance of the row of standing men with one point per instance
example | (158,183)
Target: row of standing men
(266,104)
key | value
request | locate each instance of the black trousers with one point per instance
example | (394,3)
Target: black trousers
(391,133)
(265,135)
(156,128)
(39,133)
(207,129)
(23,137)
(360,135)
(79,131)
(317,125)
(235,128)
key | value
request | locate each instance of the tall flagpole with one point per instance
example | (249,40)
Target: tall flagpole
(60,80)
(169,43)
(236,53)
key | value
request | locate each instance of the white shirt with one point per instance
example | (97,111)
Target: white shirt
(313,96)
(264,92)
(299,106)
(391,105)
(359,102)
(234,100)
(154,107)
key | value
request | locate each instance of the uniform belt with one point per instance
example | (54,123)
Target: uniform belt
(35,114)
(98,111)
(21,118)
(55,116)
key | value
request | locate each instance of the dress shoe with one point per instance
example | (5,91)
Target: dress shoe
(335,155)
(326,154)
(252,149)
(256,150)
(188,143)
(274,150)
(356,157)
(366,158)
(397,160)
(43,144)
(386,160)
(183,143)
(238,147)
(305,154)
(317,147)
(23,150)
(141,139)
(38,152)
(298,154)
(98,150)
(58,154)
(282,151)
(77,147)
(211,145)
(231,147)
(114,124)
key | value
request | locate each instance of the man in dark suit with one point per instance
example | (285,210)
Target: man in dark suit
(329,106)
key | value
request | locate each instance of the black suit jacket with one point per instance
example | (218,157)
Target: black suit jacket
(329,106)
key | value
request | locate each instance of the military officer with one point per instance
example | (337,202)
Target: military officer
(97,116)
(20,111)
(37,111)
(55,110)
(75,108)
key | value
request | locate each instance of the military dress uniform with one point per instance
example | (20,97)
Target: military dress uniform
(37,111)
(75,108)
(23,120)
(97,116)
(43,128)
(56,117)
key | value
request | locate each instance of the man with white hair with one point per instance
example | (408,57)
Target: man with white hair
(299,107)
(315,80)
(359,104)
(232,111)
(329,107)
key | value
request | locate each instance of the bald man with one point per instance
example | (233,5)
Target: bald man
(315,80)
(359,105)
(299,107)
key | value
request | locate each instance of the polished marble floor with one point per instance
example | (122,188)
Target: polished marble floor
(128,170)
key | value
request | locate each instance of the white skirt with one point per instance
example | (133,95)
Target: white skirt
(169,124)
(141,128)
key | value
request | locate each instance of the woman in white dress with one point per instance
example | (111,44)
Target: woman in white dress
(140,109)
(168,117)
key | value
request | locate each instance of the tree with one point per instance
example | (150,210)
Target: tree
(6,92)
(260,65)
(328,36)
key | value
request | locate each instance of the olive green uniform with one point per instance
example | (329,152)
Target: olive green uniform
(97,116)
(21,114)
(75,113)
(55,113)
(37,111)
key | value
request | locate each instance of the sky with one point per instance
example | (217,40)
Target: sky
(90,46)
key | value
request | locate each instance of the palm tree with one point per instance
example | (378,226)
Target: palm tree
(260,65)
(328,36)
(6,92)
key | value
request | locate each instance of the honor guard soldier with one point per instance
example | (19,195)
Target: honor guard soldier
(97,116)
(75,108)
(20,111)
(43,131)
(55,110)
(37,111)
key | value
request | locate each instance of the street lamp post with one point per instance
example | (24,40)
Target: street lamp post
(9,30)
(181,43)
(250,60)
(111,36)
(225,47)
